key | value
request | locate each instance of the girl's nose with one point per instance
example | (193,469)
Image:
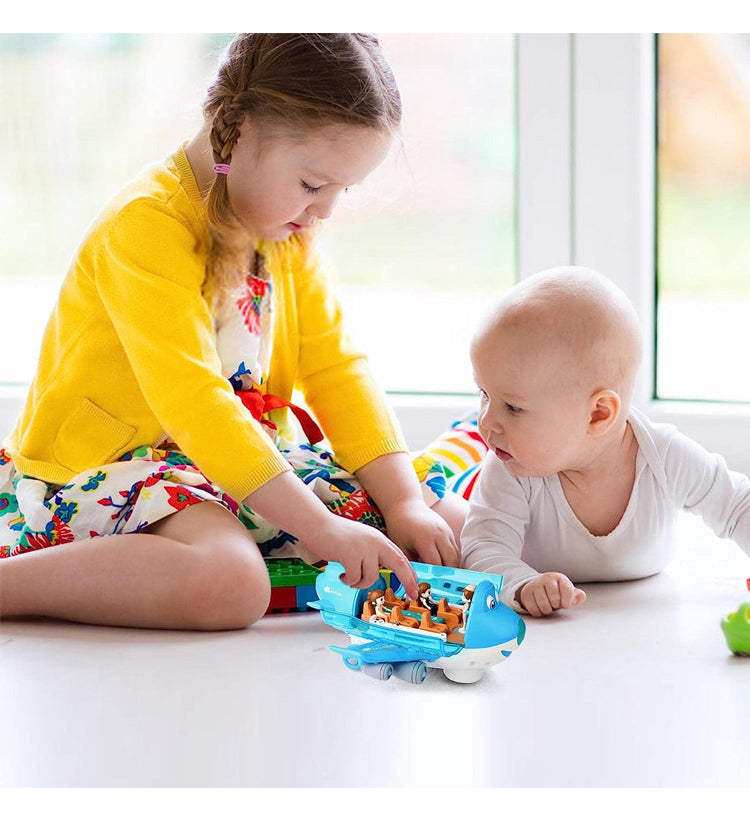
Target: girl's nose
(323,206)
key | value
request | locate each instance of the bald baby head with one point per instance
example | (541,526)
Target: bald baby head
(568,324)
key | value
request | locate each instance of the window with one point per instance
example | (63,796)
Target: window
(703,216)
(431,237)
(613,228)
(519,153)
(417,249)
(81,115)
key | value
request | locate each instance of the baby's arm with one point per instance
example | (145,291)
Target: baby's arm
(702,483)
(548,593)
(493,537)
(493,541)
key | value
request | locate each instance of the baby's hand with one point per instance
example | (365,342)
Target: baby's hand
(547,593)
(417,529)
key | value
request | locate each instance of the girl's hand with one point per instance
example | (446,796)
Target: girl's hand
(392,483)
(286,502)
(418,530)
(547,593)
(362,551)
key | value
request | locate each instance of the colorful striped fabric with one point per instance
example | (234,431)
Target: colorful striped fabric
(460,450)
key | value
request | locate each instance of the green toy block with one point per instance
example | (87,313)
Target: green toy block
(288,572)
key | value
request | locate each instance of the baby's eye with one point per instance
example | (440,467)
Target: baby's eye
(308,188)
(482,394)
(514,410)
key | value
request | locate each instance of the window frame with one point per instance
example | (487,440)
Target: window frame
(585,195)
(615,214)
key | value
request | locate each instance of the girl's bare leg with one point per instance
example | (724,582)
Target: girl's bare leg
(197,569)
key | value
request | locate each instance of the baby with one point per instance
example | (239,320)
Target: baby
(577,485)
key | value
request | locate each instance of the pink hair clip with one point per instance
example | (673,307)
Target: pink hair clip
(222,169)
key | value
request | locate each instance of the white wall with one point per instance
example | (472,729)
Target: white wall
(11,400)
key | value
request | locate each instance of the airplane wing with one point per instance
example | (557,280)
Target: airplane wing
(369,653)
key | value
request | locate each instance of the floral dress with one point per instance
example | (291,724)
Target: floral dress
(151,482)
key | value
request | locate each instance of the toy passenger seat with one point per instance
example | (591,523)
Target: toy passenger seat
(449,613)
(397,618)
(427,623)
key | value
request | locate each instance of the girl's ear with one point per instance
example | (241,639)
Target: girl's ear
(605,410)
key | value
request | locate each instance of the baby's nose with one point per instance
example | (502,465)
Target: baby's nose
(490,422)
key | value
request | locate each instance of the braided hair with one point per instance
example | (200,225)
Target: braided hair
(292,81)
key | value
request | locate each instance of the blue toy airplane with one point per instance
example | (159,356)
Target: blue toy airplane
(458,623)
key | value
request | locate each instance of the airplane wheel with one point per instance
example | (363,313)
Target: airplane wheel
(413,672)
(381,671)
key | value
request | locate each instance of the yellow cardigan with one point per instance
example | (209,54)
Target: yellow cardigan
(129,352)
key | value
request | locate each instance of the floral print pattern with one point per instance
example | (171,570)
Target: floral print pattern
(147,484)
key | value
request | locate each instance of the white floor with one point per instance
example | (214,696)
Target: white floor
(635,689)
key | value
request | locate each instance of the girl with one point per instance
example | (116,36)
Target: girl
(154,447)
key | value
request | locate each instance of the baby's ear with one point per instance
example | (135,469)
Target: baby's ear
(605,410)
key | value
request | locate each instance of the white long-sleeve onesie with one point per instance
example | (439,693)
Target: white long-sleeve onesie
(523,526)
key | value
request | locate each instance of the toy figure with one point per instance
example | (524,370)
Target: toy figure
(425,598)
(377,599)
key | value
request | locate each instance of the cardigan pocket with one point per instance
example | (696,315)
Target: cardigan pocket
(91,437)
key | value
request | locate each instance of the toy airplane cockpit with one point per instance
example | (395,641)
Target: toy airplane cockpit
(457,624)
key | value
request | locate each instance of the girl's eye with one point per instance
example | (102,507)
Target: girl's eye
(514,410)
(308,188)
(483,395)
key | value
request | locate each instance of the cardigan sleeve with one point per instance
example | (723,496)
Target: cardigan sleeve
(335,377)
(149,276)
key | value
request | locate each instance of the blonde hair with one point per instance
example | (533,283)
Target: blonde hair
(293,82)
